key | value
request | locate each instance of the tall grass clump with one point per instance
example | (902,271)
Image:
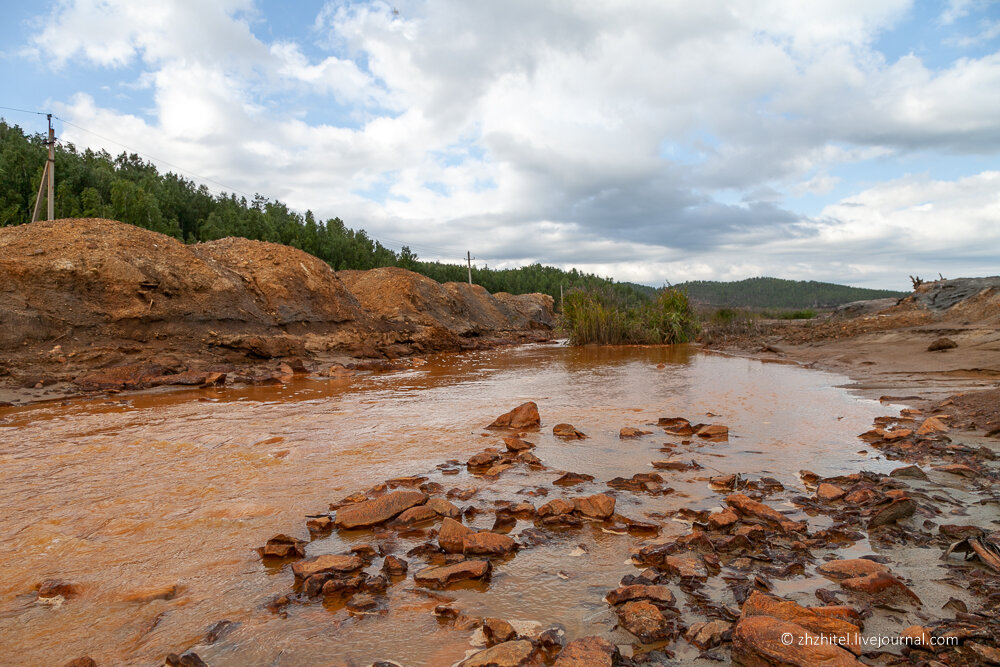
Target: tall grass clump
(601,317)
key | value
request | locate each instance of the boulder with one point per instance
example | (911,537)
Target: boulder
(498,631)
(522,417)
(444,508)
(487,543)
(556,507)
(451,537)
(414,515)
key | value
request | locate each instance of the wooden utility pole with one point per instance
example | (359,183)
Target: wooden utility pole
(468,258)
(48,178)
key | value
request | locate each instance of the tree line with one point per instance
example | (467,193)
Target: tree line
(127,188)
(779,293)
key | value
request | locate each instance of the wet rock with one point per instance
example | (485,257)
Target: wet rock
(723,482)
(319,525)
(589,652)
(879,584)
(829,493)
(498,631)
(941,344)
(378,510)
(364,604)
(764,641)
(680,466)
(762,604)
(722,520)
(709,634)
(522,417)
(483,459)
(415,515)
(659,595)
(444,508)
(598,506)
(629,432)
(411,481)
(953,532)
(932,425)
(641,483)
(395,566)
(515,444)
(912,472)
(958,469)
(555,507)
(441,576)
(567,432)
(462,493)
(850,568)
(530,459)
(715,432)
(51,588)
(332,563)
(518,653)
(451,537)
(572,478)
(486,543)
(644,620)
(900,508)
(675,426)
(218,631)
(744,505)
(684,567)
(188,659)
(85,661)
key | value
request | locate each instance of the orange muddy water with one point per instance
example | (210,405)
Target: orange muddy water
(123,495)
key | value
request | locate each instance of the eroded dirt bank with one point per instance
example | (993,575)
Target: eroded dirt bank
(96,304)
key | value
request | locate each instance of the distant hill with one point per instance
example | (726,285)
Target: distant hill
(779,293)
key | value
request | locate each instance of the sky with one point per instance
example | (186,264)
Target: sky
(655,141)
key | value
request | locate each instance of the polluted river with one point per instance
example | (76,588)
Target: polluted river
(153,506)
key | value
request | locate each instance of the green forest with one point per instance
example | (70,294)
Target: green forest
(779,293)
(129,189)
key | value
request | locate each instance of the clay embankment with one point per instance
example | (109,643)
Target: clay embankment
(80,295)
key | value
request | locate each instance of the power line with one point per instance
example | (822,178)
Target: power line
(39,113)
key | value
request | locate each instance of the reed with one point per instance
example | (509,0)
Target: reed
(603,318)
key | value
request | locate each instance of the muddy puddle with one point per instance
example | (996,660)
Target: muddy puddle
(152,505)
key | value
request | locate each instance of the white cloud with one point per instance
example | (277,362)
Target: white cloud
(610,135)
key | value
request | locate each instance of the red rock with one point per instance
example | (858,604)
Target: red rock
(518,653)
(555,507)
(378,510)
(523,416)
(713,432)
(515,444)
(319,524)
(900,508)
(760,641)
(879,584)
(304,569)
(644,620)
(486,543)
(498,631)
(762,604)
(451,537)
(567,432)
(850,568)
(932,425)
(571,478)
(708,634)
(722,520)
(957,469)
(395,566)
(861,497)
(917,636)
(829,492)
(441,575)
(85,661)
(745,505)
(682,566)
(283,546)
(444,508)
(483,459)
(414,515)
(657,594)
(676,426)
(589,652)
(598,506)
(162,592)
(629,432)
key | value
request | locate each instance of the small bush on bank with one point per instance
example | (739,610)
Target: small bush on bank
(600,317)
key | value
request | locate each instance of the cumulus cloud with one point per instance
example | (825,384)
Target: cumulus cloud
(652,141)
